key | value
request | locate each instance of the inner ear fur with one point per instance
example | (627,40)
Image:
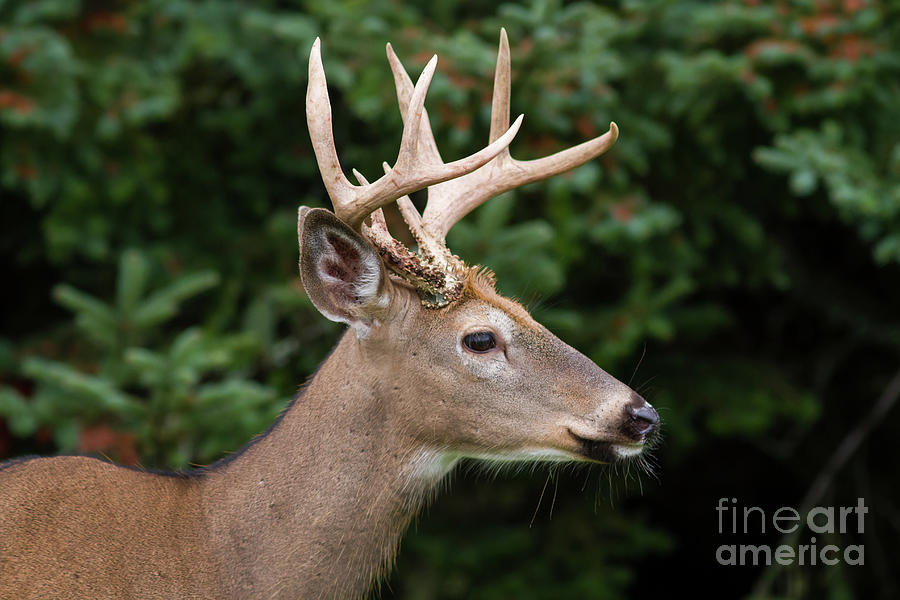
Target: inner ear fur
(342,274)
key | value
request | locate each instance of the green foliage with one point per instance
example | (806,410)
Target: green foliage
(736,254)
(185,400)
(866,199)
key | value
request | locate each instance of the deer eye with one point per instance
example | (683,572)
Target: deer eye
(480,341)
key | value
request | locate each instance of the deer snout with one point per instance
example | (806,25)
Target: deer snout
(641,419)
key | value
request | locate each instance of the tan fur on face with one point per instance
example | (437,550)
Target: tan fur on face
(481,285)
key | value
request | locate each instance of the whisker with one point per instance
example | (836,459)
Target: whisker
(543,489)
(638,365)
(553,502)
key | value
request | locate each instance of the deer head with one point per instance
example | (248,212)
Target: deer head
(468,372)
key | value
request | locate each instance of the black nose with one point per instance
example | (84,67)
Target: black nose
(642,417)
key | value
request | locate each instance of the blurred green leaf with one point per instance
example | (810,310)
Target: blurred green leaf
(162,305)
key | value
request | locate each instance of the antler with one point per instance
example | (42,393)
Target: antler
(454,189)
(450,201)
(411,172)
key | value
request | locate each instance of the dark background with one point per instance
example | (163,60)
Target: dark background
(735,256)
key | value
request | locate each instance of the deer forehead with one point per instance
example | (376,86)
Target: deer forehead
(480,316)
(486,309)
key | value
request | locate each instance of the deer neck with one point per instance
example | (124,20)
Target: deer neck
(316,507)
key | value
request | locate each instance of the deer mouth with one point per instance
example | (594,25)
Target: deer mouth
(605,451)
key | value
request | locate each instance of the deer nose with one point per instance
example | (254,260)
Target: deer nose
(642,418)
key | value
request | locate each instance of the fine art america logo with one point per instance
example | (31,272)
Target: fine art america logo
(822,520)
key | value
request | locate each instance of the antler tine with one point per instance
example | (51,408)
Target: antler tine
(378,230)
(318,119)
(404,87)
(412,170)
(450,201)
(412,123)
(427,146)
(502,90)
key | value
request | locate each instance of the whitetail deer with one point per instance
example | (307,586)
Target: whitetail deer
(435,366)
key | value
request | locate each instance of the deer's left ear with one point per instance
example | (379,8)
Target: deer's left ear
(342,274)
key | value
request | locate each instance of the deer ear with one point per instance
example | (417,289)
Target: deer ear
(342,274)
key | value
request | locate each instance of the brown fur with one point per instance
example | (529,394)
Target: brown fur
(316,507)
(481,285)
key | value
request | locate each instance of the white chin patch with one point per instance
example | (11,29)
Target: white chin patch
(627,451)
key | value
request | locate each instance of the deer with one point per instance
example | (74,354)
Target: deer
(435,366)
